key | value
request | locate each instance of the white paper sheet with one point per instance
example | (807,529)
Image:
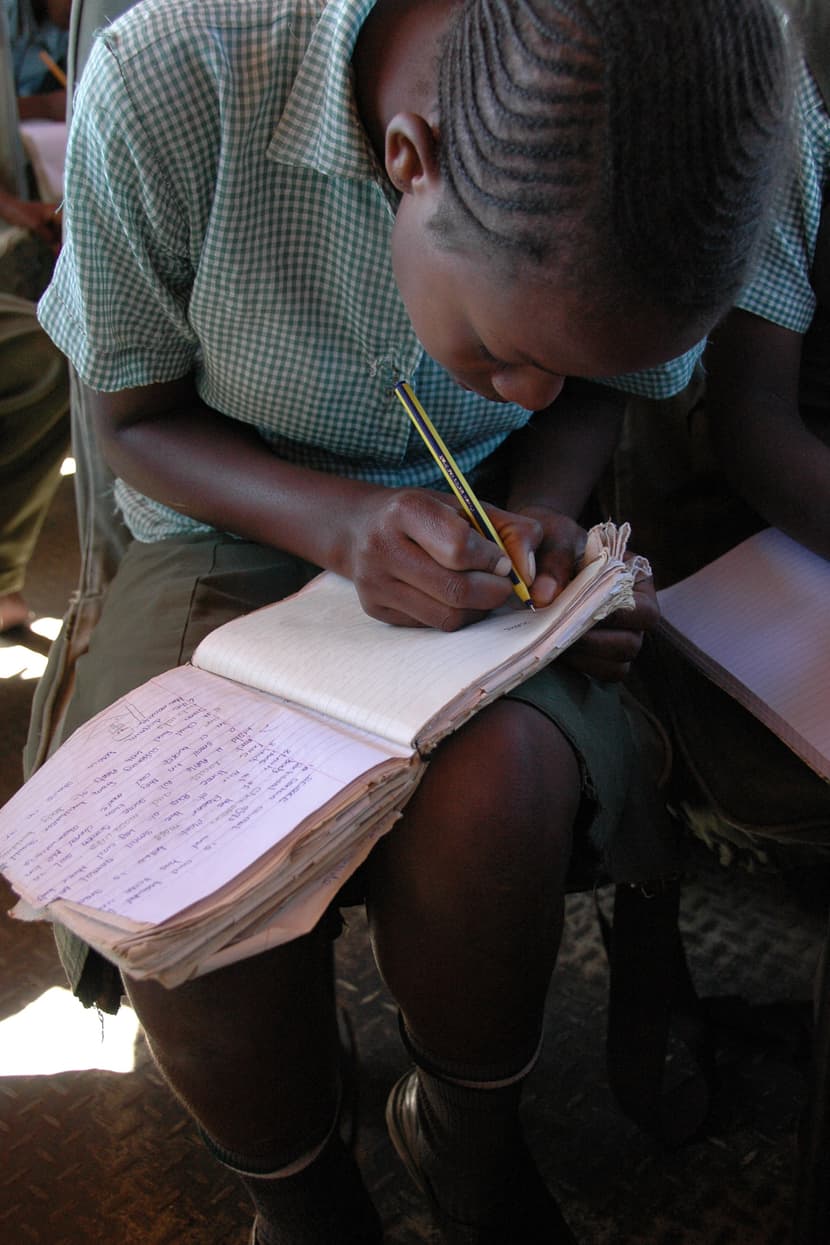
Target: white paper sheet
(757,621)
(182,789)
(45,145)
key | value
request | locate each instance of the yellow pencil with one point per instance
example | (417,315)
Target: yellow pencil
(53,67)
(455,478)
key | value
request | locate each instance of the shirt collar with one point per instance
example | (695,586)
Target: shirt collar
(320,126)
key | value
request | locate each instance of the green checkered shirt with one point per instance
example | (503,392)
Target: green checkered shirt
(781,289)
(225,215)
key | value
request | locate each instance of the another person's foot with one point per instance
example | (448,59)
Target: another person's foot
(14,612)
(528,1215)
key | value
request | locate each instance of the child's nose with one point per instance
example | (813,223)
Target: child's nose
(527,386)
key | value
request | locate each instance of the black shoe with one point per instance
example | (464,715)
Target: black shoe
(532,1216)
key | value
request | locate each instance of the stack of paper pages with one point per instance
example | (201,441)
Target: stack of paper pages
(216,810)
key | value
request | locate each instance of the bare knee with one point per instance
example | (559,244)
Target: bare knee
(519,780)
(499,799)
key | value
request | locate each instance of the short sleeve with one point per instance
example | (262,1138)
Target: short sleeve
(659,382)
(117,304)
(781,289)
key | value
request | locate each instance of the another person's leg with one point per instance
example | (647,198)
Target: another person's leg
(34,422)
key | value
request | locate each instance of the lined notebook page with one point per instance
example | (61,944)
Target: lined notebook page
(169,794)
(320,650)
(757,621)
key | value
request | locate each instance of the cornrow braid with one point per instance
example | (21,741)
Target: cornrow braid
(635,140)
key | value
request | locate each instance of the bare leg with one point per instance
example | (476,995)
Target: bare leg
(466,907)
(251,1049)
(252,1052)
(466,897)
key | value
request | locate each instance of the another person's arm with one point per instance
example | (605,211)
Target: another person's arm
(47,106)
(770,455)
(41,219)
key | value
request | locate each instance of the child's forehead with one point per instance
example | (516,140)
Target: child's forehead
(558,326)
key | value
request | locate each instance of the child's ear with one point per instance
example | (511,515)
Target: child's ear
(411,153)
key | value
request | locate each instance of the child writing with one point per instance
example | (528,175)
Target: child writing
(275,210)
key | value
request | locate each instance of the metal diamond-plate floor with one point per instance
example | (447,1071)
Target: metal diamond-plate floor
(89,1156)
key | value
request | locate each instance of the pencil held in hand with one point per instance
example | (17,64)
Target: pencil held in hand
(456,480)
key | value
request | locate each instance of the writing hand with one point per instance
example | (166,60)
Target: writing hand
(558,546)
(416,561)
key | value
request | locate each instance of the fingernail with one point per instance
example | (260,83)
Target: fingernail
(545,589)
(503,566)
(531,566)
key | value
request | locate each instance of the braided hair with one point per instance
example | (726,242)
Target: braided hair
(636,141)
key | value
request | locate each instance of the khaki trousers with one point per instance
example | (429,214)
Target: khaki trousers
(34,434)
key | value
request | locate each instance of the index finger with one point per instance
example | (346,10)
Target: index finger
(444,532)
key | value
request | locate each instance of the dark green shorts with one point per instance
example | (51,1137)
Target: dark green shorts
(167,596)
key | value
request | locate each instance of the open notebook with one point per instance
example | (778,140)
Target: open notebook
(218,808)
(757,622)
